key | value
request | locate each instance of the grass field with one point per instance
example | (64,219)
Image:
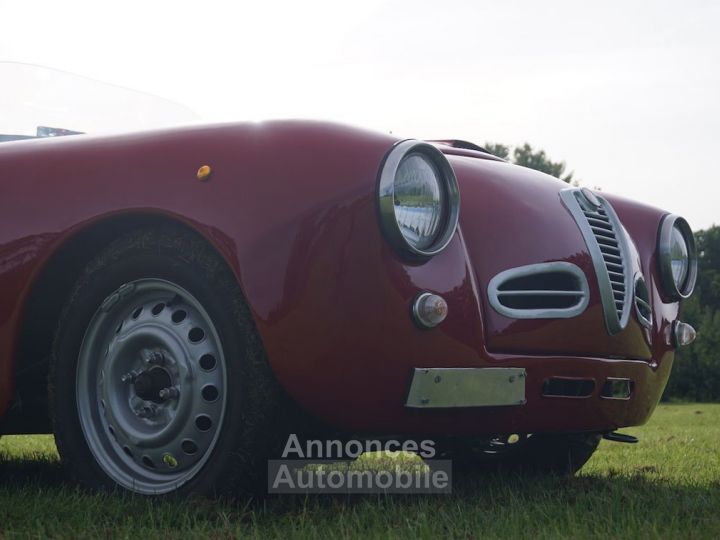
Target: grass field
(667,486)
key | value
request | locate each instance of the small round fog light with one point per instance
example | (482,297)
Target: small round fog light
(429,310)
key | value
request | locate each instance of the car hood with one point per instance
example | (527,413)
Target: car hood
(513,216)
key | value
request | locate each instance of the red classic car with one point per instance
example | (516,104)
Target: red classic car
(173,302)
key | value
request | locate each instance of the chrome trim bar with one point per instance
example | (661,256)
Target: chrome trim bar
(582,293)
(664,258)
(386,197)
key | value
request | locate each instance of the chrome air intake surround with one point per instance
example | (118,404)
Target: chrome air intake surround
(610,250)
(554,290)
(643,309)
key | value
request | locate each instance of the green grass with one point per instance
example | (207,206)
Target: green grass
(667,486)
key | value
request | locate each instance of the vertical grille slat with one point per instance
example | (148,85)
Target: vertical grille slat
(610,250)
(613,258)
(606,236)
(603,232)
(599,223)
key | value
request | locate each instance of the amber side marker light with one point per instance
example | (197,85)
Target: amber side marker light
(203,173)
(429,310)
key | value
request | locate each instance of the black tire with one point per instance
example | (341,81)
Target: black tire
(540,454)
(558,454)
(237,461)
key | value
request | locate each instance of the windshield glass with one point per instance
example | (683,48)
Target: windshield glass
(40,102)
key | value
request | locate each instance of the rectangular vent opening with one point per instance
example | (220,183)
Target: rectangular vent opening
(538,301)
(617,388)
(568,387)
(551,280)
(544,290)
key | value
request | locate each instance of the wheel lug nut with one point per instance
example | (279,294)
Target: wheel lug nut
(155,358)
(168,393)
(147,411)
(129,377)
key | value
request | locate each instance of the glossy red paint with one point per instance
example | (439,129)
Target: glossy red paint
(516,212)
(291,206)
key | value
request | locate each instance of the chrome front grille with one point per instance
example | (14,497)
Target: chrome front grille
(608,245)
(612,255)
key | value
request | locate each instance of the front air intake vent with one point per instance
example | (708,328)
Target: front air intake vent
(568,387)
(553,290)
(607,244)
(642,303)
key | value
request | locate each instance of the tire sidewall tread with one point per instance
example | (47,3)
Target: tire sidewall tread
(249,426)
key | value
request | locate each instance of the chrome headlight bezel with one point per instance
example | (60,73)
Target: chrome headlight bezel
(450,198)
(674,290)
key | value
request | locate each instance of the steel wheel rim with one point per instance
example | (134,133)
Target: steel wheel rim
(151,386)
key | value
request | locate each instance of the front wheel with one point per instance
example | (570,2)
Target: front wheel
(159,384)
(561,454)
(558,454)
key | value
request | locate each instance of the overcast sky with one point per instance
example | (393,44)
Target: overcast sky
(626,92)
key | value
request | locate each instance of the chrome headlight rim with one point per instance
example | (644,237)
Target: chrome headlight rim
(671,288)
(386,194)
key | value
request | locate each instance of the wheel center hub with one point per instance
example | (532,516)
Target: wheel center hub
(148,384)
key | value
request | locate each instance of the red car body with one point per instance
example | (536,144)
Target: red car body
(292,208)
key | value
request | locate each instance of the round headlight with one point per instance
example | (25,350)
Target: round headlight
(679,261)
(677,257)
(418,198)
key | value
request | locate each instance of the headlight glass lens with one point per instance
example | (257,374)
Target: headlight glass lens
(418,200)
(679,260)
